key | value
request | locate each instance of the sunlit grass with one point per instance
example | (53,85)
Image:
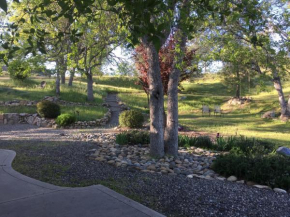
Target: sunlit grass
(83,113)
(239,120)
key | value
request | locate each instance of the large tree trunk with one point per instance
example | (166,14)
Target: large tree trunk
(57,84)
(62,78)
(57,79)
(289,104)
(71,77)
(171,130)
(90,92)
(238,92)
(63,68)
(156,104)
(285,113)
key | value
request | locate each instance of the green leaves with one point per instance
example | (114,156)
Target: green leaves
(3,5)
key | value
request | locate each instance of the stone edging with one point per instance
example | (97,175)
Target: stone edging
(35,119)
(16,102)
(190,163)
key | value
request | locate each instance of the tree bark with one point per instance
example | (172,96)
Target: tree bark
(289,104)
(63,68)
(238,92)
(57,84)
(285,113)
(71,78)
(62,78)
(156,105)
(171,130)
(57,79)
(90,92)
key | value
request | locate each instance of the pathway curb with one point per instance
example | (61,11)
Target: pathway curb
(120,202)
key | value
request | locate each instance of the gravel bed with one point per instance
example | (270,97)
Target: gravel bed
(67,164)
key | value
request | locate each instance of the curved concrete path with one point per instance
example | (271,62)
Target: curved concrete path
(21,196)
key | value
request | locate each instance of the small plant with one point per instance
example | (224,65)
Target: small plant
(133,137)
(48,109)
(19,69)
(204,142)
(65,120)
(131,119)
(200,142)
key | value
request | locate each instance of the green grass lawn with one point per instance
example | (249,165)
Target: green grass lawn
(239,120)
(86,113)
(30,90)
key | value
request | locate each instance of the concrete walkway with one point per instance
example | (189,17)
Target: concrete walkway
(21,196)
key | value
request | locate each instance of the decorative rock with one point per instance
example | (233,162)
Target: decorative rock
(232,179)
(151,167)
(111,162)
(221,178)
(241,182)
(279,190)
(284,151)
(262,187)
(269,114)
(250,183)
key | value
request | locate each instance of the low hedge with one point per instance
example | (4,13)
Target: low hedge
(238,145)
(272,170)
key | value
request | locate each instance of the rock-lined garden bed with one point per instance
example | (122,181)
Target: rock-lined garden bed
(55,99)
(191,162)
(35,119)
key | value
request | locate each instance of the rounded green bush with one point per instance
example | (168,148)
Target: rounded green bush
(131,118)
(48,109)
(65,120)
(19,69)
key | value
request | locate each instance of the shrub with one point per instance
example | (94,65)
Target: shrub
(131,118)
(133,137)
(19,69)
(48,109)
(250,146)
(237,145)
(200,142)
(65,119)
(272,170)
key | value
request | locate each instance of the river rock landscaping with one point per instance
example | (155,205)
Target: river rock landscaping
(191,162)
(68,164)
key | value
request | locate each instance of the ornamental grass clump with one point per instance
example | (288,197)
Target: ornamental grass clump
(133,138)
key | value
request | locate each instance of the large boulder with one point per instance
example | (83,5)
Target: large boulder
(284,151)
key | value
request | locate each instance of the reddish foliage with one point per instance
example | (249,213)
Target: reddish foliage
(166,58)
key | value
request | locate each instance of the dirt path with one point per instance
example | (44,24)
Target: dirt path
(112,100)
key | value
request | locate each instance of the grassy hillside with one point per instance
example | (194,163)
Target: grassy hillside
(239,120)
